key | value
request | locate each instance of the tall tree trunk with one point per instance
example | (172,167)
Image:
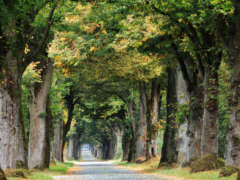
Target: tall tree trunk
(126,145)
(49,132)
(57,147)
(183,100)
(11,132)
(233,135)
(70,107)
(195,122)
(133,141)
(142,124)
(37,147)
(75,148)
(70,148)
(154,114)
(105,150)
(169,150)
(12,140)
(209,139)
(118,146)
(112,148)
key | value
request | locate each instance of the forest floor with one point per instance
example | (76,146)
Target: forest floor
(172,173)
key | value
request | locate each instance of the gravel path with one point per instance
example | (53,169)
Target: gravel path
(95,170)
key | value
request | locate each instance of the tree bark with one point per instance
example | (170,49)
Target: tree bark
(12,140)
(70,148)
(154,114)
(233,135)
(112,148)
(169,150)
(76,148)
(57,146)
(11,132)
(49,132)
(133,128)
(183,100)
(37,147)
(195,122)
(105,150)
(142,124)
(209,134)
(126,142)
(70,106)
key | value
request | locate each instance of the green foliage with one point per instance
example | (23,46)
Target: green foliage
(182,113)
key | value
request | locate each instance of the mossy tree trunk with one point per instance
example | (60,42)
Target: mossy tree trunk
(233,135)
(209,139)
(37,147)
(169,150)
(233,47)
(195,122)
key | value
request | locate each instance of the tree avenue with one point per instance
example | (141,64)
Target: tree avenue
(135,80)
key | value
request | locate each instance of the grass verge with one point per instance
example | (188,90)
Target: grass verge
(175,173)
(58,168)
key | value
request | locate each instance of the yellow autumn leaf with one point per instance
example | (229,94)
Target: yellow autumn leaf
(92,49)
(104,31)
(58,58)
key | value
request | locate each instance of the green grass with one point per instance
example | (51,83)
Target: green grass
(55,169)
(151,167)
(60,167)
(40,176)
(34,176)
(183,172)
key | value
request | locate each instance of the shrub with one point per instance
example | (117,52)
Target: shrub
(206,163)
(228,171)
